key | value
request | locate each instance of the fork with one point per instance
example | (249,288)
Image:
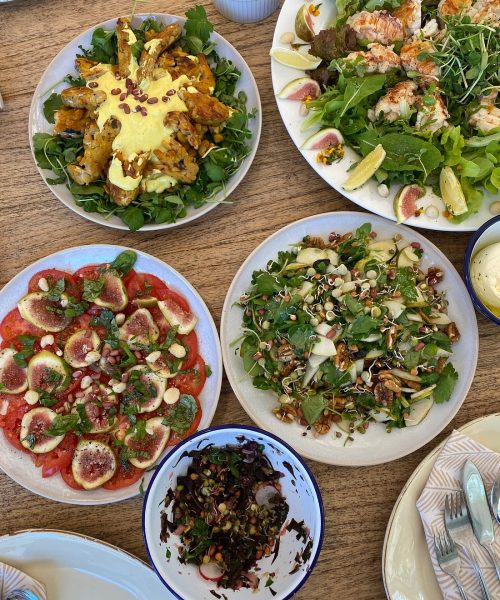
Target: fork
(459,528)
(448,560)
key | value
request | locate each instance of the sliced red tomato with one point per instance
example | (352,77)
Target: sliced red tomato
(191,382)
(144,284)
(178,299)
(59,458)
(128,277)
(191,342)
(53,276)
(175,438)
(67,475)
(160,321)
(80,322)
(12,436)
(11,421)
(88,272)
(13,325)
(125,475)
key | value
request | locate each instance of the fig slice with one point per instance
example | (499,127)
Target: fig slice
(13,378)
(97,408)
(33,425)
(405,201)
(37,309)
(304,24)
(139,329)
(79,345)
(113,294)
(145,301)
(301,88)
(48,372)
(93,464)
(149,447)
(321,140)
(145,388)
(177,316)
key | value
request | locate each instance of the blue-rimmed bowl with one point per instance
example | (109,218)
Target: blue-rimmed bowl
(487,234)
(298,487)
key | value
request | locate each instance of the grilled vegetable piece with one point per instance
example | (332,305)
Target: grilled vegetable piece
(70,122)
(97,150)
(13,378)
(79,345)
(93,464)
(179,122)
(48,372)
(33,426)
(205,109)
(176,162)
(148,448)
(46,314)
(113,294)
(82,97)
(154,47)
(125,38)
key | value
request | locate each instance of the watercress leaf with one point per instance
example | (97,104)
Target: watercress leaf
(364,324)
(405,282)
(50,106)
(133,217)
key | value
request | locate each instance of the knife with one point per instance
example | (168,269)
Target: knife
(479,510)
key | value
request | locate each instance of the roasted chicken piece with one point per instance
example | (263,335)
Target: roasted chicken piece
(431,117)
(426,67)
(396,103)
(135,169)
(205,109)
(377,26)
(154,47)
(70,122)
(206,79)
(180,123)
(453,7)
(123,33)
(378,59)
(90,69)
(82,97)
(486,11)
(175,160)
(97,150)
(488,116)
(410,15)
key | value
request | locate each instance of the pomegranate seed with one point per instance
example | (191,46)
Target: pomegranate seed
(144,112)
(391,274)
(419,346)
(117,76)
(152,100)
(128,82)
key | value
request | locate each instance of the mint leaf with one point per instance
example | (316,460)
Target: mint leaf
(92,288)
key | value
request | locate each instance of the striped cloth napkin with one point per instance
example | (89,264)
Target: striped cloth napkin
(12,579)
(445,477)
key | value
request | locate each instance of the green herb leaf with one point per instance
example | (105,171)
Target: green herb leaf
(445,384)
(62,424)
(182,415)
(197,24)
(313,407)
(92,288)
(124,262)
(50,106)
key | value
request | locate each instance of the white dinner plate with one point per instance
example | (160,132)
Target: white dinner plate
(335,175)
(18,465)
(63,63)
(77,567)
(376,445)
(414,579)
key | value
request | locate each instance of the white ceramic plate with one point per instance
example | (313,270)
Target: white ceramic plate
(376,446)
(77,567)
(298,487)
(414,579)
(63,64)
(335,175)
(16,463)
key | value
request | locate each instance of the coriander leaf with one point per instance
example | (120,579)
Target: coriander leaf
(313,407)
(352,305)
(446,384)
(441,340)
(124,262)
(264,282)
(182,415)
(197,24)
(50,106)
(301,337)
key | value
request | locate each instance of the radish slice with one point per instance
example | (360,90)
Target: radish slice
(211,571)
(265,494)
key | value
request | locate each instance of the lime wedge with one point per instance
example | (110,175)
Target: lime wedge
(365,169)
(294,59)
(451,191)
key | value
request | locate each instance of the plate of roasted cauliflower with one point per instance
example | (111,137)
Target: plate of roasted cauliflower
(146,122)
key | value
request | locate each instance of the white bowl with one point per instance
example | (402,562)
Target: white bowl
(299,488)
(63,64)
(246,11)
(17,464)
(376,445)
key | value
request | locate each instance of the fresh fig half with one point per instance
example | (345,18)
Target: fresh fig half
(145,301)
(79,345)
(145,388)
(300,89)
(93,464)
(33,427)
(98,402)
(13,378)
(405,201)
(303,24)
(113,294)
(48,372)
(149,447)
(321,140)
(177,316)
(37,309)
(139,329)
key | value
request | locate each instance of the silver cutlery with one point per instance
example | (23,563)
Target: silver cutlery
(479,510)
(448,559)
(495,499)
(458,526)
(22,595)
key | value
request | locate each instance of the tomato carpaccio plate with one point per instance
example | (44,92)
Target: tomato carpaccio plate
(99,372)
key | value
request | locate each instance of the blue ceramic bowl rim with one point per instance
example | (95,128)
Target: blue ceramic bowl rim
(467,258)
(255,430)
